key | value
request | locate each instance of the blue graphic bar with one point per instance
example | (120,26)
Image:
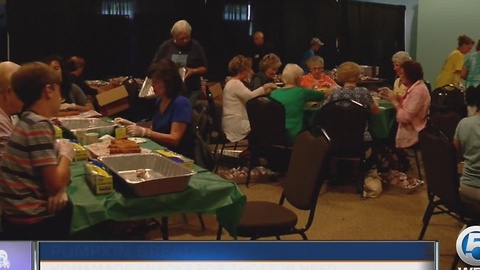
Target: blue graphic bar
(240,251)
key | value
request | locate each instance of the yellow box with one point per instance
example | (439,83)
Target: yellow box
(80,152)
(177,158)
(58,132)
(99,181)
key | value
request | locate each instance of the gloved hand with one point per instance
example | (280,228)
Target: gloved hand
(65,148)
(57,202)
(123,121)
(67,106)
(135,130)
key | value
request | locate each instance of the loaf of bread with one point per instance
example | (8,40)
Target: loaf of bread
(123,146)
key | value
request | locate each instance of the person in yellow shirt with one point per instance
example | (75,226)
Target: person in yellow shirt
(450,73)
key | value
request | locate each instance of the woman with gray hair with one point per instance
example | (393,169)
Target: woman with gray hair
(188,53)
(398,59)
(293,97)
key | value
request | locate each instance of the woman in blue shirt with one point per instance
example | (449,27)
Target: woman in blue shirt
(171,122)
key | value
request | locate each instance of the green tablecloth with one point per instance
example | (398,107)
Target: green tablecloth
(379,125)
(206,193)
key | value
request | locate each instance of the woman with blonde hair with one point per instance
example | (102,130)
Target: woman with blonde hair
(268,68)
(235,122)
(348,74)
(316,79)
(397,60)
(452,68)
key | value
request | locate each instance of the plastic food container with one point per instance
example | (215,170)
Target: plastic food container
(148,174)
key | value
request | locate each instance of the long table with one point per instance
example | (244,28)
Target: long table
(206,193)
(380,125)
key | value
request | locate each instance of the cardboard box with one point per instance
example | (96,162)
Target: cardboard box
(113,101)
(99,180)
(217,92)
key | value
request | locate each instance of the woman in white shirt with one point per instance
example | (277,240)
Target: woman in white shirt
(235,122)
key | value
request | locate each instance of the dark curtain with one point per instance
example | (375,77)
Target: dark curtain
(225,38)
(115,45)
(371,33)
(305,19)
(267,17)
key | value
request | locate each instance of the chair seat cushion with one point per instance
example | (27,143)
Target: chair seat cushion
(262,218)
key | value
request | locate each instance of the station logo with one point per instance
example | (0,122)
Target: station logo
(468,246)
(4,262)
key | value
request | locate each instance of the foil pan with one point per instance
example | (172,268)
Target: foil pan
(95,125)
(147,89)
(148,174)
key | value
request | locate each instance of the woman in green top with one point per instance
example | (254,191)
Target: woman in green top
(293,97)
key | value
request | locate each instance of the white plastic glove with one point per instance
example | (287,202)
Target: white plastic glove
(135,130)
(67,106)
(57,202)
(65,148)
(123,121)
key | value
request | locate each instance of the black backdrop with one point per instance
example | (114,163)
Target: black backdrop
(114,45)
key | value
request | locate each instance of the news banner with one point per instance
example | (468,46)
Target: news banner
(213,255)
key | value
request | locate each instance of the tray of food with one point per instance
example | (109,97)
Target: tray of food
(114,147)
(148,174)
(96,125)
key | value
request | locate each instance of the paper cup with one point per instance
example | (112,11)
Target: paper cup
(91,138)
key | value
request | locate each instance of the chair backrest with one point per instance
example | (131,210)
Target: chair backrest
(202,155)
(440,164)
(305,171)
(200,121)
(448,98)
(215,112)
(267,121)
(345,121)
(445,121)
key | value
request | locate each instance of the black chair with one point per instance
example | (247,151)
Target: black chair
(345,121)
(447,122)
(268,134)
(203,156)
(448,98)
(304,179)
(216,134)
(440,164)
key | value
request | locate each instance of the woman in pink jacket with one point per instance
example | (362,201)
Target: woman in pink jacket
(412,107)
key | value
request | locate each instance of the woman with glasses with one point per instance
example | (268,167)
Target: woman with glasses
(316,79)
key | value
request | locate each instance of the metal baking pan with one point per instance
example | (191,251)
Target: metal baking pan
(95,125)
(147,89)
(148,174)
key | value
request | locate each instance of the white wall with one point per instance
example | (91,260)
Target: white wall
(440,22)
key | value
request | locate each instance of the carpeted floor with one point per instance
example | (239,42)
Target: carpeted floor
(343,215)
